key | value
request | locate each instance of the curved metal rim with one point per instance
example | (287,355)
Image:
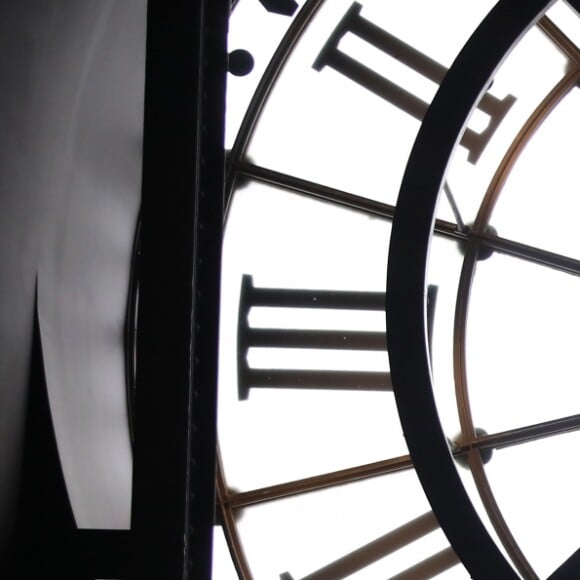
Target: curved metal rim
(230,528)
(406,281)
(253,113)
(463,294)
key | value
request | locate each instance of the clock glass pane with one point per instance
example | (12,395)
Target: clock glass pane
(314,464)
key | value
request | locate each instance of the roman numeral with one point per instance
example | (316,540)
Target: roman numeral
(385,545)
(252,337)
(354,23)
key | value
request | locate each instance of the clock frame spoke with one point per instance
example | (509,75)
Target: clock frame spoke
(315,190)
(444,228)
(529,253)
(560,40)
(242,499)
(520,435)
(386,211)
(338,197)
(237,500)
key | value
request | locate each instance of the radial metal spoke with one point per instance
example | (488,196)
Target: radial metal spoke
(387,211)
(555,34)
(532,254)
(335,196)
(525,434)
(308,484)
(316,190)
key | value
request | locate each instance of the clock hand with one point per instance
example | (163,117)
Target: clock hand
(454,208)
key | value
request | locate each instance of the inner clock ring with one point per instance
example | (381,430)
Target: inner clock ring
(480,226)
(406,281)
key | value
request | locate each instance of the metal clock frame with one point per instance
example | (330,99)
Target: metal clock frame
(464,84)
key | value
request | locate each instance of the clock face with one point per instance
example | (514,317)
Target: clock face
(316,478)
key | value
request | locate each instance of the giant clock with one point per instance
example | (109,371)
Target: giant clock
(448,449)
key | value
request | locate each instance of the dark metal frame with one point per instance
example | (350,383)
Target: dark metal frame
(181,223)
